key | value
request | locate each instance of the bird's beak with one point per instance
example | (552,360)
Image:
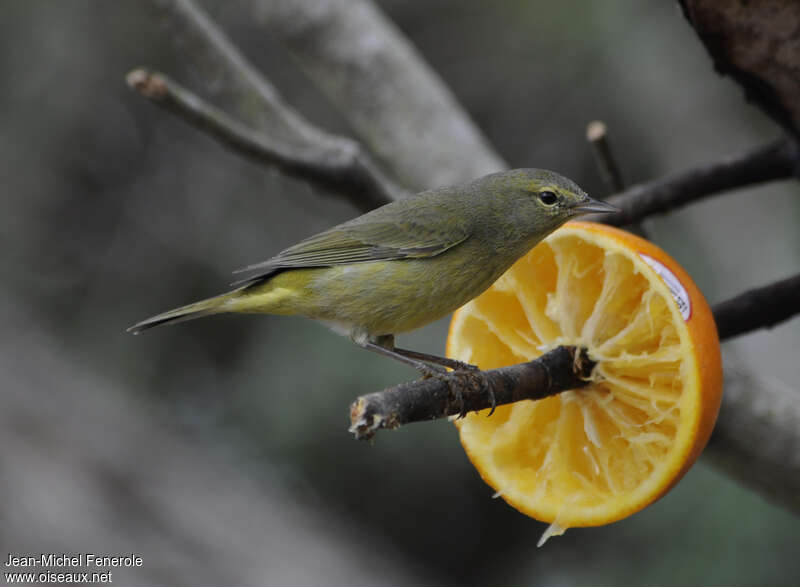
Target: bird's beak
(592,205)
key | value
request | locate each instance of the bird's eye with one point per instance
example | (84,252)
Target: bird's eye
(548,198)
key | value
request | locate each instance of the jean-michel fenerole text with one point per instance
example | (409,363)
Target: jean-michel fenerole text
(45,560)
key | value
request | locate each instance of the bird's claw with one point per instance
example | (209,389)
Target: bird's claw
(428,371)
(470,374)
(462,366)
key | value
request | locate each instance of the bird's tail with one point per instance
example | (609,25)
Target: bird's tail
(207,307)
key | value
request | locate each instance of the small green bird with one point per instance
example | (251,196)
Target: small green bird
(404,264)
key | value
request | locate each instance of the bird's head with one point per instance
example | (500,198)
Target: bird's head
(539,199)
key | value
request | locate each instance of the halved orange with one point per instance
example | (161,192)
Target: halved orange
(592,456)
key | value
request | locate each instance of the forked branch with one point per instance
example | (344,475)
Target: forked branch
(261,125)
(338,167)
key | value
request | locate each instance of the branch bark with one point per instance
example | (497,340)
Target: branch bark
(778,160)
(758,45)
(762,307)
(561,369)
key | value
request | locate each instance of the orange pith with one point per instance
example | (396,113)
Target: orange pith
(595,455)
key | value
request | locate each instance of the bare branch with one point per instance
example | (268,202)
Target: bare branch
(232,79)
(758,48)
(339,168)
(439,397)
(597,135)
(778,160)
(763,307)
(391,97)
(279,135)
(555,372)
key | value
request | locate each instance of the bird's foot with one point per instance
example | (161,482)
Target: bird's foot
(428,371)
(476,380)
(470,378)
(462,366)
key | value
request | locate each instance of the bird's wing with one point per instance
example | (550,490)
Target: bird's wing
(376,236)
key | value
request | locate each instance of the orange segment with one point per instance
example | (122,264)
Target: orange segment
(593,456)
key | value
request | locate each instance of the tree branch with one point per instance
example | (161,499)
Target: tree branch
(762,307)
(280,135)
(778,160)
(340,170)
(438,397)
(392,98)
(550,374)
(755,439)
(757,47)
(597,135)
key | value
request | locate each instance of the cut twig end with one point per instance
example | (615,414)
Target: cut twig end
(596,130)
(149,84)
(366,419)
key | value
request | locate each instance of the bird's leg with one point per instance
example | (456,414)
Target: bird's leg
(427,365)
(384,345)
(437,360)
(459,367)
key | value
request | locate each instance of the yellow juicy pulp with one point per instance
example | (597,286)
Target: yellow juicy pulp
(623,433)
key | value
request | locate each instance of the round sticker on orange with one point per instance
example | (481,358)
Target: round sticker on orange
(673,283)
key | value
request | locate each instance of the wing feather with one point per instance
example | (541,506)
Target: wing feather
(407,229)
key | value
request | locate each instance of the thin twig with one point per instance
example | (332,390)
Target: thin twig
(778,160)
(230,78)
(338,169)
(597,135)
(550,374)
(439,397)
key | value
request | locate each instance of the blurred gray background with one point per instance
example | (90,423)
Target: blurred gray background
(113,210)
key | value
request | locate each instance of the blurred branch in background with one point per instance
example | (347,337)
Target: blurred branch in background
(383,87)
(331,162)
(778,160)
(340,170)
(755,439)
(597,135)
(762,307)
(385,90)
